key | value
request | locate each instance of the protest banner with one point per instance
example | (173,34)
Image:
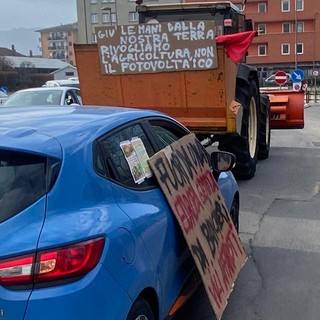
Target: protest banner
(184,174)
(157,47)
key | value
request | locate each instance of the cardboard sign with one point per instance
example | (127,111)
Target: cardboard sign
(157,47)
(183,172)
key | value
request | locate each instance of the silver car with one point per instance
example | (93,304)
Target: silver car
(44,97)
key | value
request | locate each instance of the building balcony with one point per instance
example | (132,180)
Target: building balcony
(57,48)
(57,38)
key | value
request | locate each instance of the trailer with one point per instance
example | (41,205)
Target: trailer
(187,60)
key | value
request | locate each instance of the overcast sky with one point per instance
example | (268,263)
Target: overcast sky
(36,13)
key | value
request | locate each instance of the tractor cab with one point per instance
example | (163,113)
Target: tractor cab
(227,17)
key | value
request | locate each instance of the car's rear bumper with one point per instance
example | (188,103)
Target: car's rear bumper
(96,296)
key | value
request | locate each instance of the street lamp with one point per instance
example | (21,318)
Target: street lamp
(314,72)
(314,38)
(295,37)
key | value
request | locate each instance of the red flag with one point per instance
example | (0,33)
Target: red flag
(236,44)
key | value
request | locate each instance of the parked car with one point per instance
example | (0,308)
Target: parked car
(3,98)
(270,81)
(71,82)
(44,97)
(82,239)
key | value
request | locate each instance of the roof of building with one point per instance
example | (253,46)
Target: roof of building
(69,66)
(10,52)
(62,27)
(38,63)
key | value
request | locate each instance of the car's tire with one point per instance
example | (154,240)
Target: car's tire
(140,310)
(265,128)
(234,213)
(245,147)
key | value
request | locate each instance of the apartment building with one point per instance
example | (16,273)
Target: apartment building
(57,42)
(93,13)
(288,29)
(288,35)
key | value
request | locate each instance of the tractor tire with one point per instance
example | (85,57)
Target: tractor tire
(265,128)
(245,147)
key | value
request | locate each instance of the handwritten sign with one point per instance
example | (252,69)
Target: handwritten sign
(183,172)
(157,47)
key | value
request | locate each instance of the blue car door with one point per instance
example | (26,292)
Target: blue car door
(152,217)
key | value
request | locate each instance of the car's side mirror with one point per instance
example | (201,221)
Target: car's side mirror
(222,161)
(69,101)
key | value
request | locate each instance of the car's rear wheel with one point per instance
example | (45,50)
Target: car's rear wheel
(140,310)
(234,214)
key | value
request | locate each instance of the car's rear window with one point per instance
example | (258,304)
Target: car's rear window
(24,179)
(34,98)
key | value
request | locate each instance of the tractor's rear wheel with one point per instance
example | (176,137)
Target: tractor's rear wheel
(245,147)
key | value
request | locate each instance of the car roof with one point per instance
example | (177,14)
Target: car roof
(31,128)
(48,89)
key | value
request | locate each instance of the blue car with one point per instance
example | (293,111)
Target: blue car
(80,238)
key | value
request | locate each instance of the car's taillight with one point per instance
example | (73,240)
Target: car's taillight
(51,265)
(16,270)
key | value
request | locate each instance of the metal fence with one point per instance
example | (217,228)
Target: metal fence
(312,95)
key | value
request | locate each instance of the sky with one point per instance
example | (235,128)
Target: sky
(36,13)
(20,18)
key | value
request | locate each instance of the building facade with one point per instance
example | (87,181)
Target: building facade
(288,30)
(57,42)
(288,35)
(94,13)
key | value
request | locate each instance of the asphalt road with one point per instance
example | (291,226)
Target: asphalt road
(280,230)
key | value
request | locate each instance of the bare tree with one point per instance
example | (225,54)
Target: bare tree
(5,64)
(25,70)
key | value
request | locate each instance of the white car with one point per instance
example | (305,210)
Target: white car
(71,82)
(44,96)
(3,98)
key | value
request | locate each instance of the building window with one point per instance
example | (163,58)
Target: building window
(299,5)
(300,26)
(94,18)
(286,27)
(93,1)
(262,50)
(106,18)
(107,1)
(133,16)
(299,48)
(285,6)
(285,48)
(113,17)
(261,28)
(262,7)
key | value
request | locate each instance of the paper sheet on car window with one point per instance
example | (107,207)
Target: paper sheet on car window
(137,159)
